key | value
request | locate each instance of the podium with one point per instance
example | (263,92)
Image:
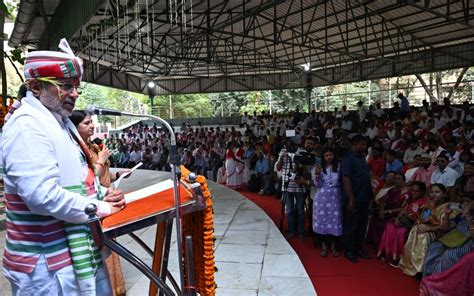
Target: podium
(154,209)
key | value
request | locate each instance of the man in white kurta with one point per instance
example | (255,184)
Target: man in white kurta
(44,185)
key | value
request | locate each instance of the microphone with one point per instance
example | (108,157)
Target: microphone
(91,109)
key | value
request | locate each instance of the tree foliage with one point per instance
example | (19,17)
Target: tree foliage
(10,8)
(111,98)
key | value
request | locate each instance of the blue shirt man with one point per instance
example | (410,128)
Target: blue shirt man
(392,163)
(262,166)
(356,194)
(354,166)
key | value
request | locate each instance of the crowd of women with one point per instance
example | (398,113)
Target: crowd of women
(420,210)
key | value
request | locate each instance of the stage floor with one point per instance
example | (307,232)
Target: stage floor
(252,256)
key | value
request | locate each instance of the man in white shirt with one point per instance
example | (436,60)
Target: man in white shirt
(346,124)
(135,155)
(435,149)
(48,249)
(415,165)
(453,155)
(245,118)
(344,111)
(156,157)
(412,151)
(444,174)
(379,112)
(372,131)
(362,111)
(439,120)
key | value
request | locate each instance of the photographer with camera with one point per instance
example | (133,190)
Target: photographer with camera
(307,156)
(296,180)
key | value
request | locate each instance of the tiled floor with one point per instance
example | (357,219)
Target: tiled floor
(252,256)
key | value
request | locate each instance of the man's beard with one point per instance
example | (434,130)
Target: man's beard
(54,103)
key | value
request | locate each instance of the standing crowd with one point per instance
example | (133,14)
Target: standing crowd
(399,179)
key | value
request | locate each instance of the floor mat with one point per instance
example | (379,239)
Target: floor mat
(337,276)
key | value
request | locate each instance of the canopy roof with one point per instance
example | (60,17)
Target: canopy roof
(191,46)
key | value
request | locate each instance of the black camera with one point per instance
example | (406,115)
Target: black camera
(291,176)
(305,158)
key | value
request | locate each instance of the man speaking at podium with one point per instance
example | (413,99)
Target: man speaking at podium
(49,180)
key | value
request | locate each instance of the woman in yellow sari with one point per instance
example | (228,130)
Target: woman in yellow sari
(432,216)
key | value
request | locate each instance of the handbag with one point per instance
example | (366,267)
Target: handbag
(406,221)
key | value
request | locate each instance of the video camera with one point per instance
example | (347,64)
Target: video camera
(303,157)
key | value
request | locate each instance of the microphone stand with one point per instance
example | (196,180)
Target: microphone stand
(176,174)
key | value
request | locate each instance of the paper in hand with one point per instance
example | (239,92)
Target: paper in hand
(116,183)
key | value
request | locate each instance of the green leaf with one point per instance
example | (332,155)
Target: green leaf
(16,55)
(5,9)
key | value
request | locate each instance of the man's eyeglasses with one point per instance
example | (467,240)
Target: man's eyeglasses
(69,88)
(66,87)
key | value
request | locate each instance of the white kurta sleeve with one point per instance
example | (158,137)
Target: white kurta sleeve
(32,169)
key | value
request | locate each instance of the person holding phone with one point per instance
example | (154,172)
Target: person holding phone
(452,246)
(327,214)
(432,217)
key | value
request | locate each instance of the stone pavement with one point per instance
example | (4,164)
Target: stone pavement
(252,256)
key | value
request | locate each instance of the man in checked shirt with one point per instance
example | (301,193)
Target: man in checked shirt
(295,182)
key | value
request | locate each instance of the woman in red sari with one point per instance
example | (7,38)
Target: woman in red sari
(232,178)
(241,169)
(396,230)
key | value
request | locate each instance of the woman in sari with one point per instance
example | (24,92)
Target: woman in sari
(100,156)
(242,170)
(424,232)
(449,264)
(450,248)
(396,230)
(465,183)
(388,207)
(100,160)
(232,178)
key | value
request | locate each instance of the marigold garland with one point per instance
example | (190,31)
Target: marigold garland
(200,225)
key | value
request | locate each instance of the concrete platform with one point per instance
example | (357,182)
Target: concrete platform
(252,256)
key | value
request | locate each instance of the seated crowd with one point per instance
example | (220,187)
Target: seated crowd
(399,179)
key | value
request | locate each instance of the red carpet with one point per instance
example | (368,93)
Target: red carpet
(337,276)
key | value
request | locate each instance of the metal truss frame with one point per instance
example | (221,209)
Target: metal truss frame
(247,45)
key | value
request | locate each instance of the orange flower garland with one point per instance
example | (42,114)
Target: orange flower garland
(200,225)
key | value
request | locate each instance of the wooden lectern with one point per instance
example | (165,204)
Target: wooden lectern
(155,209)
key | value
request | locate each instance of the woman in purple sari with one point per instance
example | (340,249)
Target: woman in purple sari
(327,214)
